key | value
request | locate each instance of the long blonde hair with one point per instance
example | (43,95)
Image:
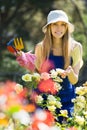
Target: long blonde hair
(47,45)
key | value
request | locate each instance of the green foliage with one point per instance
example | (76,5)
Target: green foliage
(10,69)
(26,19)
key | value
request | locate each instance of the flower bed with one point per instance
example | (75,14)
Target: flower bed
(33,106)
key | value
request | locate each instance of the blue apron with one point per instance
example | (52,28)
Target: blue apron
(67,93)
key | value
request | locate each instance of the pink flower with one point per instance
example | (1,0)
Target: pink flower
(45,75)
(27,60)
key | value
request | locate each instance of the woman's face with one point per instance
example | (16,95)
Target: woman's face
(58,29)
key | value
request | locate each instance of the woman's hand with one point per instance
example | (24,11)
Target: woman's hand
(18,53)
(26,60)
(69,70)
(70,73)
(72,76)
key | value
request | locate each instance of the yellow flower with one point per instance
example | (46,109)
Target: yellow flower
(27,77)
(64,113)
(81,90)
(51,108)
(58,104)
(58,79)
(3,119)
(50,102)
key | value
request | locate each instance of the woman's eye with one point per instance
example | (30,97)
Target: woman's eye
(55,24)
(63,24)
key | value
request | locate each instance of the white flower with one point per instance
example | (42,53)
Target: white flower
(53,73)
(39,99)
(3,99)
(36,76)
(80,120)
(59,71)
(22,116)
(43,126)
(51,98)
(45,76)
(40,114)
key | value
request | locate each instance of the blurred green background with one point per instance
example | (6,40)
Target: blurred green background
(25,18)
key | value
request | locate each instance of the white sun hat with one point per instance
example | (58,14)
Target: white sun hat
(56,16)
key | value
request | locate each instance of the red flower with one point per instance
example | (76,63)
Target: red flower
(47,86)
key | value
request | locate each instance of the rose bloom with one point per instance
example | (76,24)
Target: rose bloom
(45,76)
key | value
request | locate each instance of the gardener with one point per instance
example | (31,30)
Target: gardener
(62,51)
(59,50)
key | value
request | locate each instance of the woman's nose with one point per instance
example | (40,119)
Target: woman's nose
(58,27)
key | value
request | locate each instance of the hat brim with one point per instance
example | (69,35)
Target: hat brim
(70,26)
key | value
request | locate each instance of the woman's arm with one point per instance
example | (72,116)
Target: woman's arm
(73,71)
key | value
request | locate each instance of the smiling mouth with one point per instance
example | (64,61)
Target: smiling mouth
(59,33)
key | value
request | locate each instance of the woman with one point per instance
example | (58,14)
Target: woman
(57,50)
(60,49)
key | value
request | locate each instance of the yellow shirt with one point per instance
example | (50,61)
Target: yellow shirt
(76,53)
